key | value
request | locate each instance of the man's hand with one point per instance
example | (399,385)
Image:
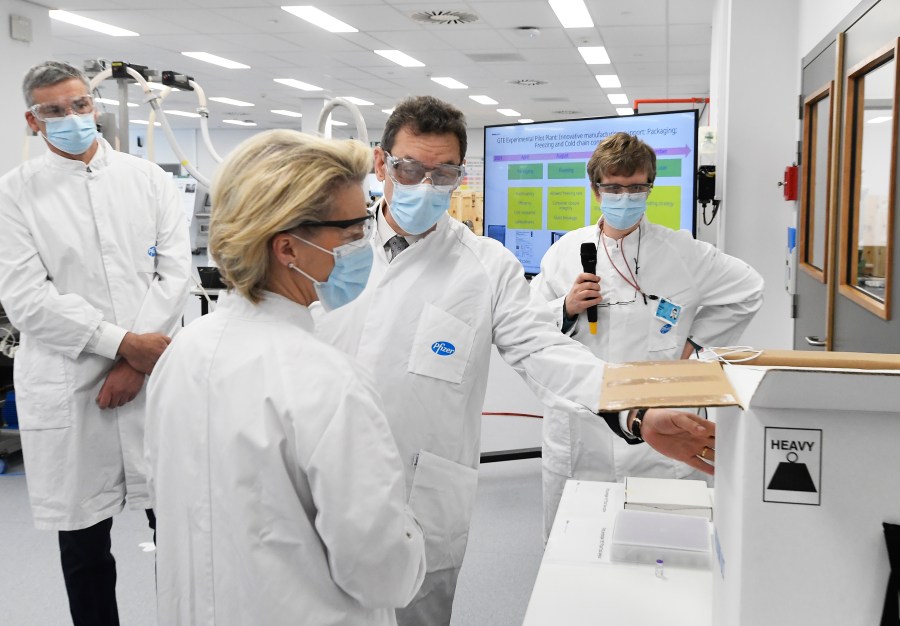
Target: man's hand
(143,351)
(585,292)
(121,386)
(682,436)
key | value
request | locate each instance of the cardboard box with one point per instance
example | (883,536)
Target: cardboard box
(807,469)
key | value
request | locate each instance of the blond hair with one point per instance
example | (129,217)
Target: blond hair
(271,183)
(621,154)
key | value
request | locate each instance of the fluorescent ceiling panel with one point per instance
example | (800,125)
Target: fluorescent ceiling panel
(180,113)
(525,120)
(625,111)
(239,122)
(286,113)
(594,55)
(608,81)
(358,101)
(399,58)
(449,83)
(297,84)
(572,13)
(483,100)
(232,102)
(320,18)
(143,122)
(216,60)
(85,22)
(617,98)
(509,112)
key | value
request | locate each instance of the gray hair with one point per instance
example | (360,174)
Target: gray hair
(50,73)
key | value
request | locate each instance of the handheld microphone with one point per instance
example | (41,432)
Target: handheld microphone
(589,265)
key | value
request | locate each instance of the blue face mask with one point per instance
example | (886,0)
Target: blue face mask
(416,208)
(623,210)
(73,134)
(352,265)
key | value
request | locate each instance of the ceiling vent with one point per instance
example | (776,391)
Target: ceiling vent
(496,57)
(444,17)
(527,82)
(566,112)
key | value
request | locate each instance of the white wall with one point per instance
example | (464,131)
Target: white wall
(17,57)
(817,18)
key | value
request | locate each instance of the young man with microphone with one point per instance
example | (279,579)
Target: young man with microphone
(631,290)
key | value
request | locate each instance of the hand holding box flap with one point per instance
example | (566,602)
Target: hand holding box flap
(665,384)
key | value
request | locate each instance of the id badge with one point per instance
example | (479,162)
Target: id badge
(667,311)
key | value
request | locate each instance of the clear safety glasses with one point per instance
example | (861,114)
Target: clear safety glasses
(79,105)
(358,231)
(412,172)
(619,189)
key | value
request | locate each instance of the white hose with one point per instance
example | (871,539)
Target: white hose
(154,102)
(204,121)
(151,124)
(354,111)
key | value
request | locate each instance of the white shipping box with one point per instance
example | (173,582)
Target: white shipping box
(807,470)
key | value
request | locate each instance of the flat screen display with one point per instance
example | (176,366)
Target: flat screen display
(535,177)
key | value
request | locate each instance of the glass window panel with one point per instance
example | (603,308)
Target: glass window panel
(875,179)
(819,193)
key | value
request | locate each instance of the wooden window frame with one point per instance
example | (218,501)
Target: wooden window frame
(852,166)
(807,216)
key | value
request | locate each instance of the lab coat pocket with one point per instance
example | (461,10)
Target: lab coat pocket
(662,342)
(442,498)
(42,391)
(441,346)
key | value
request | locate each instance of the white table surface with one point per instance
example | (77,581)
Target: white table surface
(578,583)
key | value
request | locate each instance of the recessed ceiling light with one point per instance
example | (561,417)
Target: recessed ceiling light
(180,113)
(449,83)
(85,22)
(525,120)
(286,112)
(484,100)
(399,58)
(594,55)
(358,101)
(572,13)
(240,122)
(297,84)
(232,102)
(509,112)
(608,81)
(216,60)
(143,122)
(113,102)
(320,18)
(337,123)
(625,111)
(388,111)
(617,98)
(879,120)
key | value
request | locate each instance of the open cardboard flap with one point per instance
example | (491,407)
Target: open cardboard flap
(693,383)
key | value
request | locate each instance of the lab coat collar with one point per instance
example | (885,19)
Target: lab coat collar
(98,162)
(272,307)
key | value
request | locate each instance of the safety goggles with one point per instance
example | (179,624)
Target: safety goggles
(615,189)
(358,230)
(79,105)
(412,172)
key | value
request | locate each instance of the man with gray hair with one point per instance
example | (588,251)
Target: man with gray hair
(94,268)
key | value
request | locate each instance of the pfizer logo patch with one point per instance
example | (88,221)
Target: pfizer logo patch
(151,251)
(443,348)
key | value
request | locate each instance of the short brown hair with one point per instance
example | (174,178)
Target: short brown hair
(621,154)
(269,184)
(425,115)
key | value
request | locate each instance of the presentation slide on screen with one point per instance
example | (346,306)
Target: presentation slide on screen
(535,177)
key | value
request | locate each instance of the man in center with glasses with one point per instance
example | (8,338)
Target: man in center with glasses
(437,298)
(654,289)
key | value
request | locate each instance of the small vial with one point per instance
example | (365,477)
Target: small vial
(659,568)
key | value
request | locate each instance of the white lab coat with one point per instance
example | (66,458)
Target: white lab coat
(278,489)
(86,252)
(424,328)
(719,295)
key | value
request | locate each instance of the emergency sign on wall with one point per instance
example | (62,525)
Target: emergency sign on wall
(793,466)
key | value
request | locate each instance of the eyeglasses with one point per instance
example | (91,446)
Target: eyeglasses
(632,301)
(79,105)
(360,229)
(617,189)
(412,172)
